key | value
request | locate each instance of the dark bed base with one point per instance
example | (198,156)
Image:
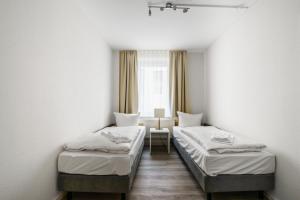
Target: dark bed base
(99,183)
(226,183)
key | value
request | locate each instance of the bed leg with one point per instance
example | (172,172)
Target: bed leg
(69,195)
(123,196)
(208,196)
(261,195)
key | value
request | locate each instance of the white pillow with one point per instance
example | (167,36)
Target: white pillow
(123,119)
(187,120)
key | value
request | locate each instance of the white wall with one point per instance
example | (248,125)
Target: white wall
(253,84)
(55,83)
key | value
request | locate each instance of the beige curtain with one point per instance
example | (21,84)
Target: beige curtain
(128,88)
(178,82)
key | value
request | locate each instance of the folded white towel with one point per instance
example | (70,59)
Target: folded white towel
(116,137)
(222,137)
(203,134)
(98,142)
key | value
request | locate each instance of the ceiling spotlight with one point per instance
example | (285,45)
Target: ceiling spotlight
(162,8)
(185,10)
(149,13)
(169,5)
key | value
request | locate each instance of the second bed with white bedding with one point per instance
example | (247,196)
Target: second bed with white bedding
(100,163)
(213,163)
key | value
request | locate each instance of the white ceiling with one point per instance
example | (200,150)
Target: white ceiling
(125,24)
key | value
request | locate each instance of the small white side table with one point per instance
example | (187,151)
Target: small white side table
(160,131)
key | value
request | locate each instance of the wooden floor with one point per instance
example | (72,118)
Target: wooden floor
(163,176)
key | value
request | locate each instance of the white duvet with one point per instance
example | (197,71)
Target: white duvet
(203,134)
(98,142)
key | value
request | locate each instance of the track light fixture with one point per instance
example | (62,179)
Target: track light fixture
(185,7)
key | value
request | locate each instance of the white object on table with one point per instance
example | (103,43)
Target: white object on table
(160,131)
(159,113)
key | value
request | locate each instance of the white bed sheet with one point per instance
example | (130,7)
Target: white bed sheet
(213,163)
(100,163)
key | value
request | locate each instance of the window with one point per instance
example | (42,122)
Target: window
(153,82)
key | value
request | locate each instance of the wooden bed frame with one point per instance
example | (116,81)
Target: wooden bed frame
(99,183)
(226,183)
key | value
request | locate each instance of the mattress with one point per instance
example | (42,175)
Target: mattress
(213,163)
(100,163)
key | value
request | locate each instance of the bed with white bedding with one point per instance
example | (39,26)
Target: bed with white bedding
(248,170)
(100,163)
(89,166)
(214,163)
